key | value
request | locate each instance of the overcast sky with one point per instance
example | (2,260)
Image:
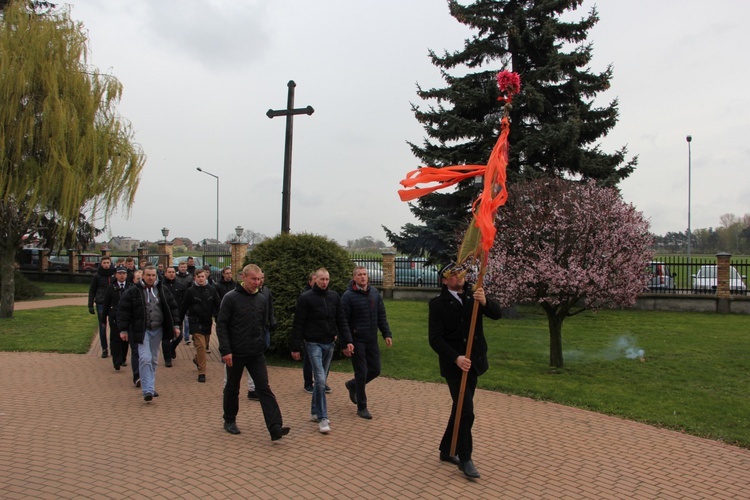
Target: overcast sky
(199,76)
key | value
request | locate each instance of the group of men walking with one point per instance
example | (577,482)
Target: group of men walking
(149,313)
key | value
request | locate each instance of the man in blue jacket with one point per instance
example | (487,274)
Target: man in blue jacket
(365,313)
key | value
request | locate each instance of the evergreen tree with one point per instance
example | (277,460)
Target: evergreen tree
(556,125)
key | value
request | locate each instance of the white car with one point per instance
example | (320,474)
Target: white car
(704,281)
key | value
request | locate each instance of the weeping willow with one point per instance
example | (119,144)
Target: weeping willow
(64,149)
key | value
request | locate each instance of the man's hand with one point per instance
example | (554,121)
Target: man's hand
(176,331)
(348,350)
(124,336)
(479,296)
(296,355)
(388,341)
(464,363)
(92,310)
(227,359)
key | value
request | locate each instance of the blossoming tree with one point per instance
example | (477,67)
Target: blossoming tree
(570,247)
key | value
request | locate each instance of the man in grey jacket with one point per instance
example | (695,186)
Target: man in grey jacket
(241,331)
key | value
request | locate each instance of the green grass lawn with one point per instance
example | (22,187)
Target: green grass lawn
(62,287)
(694,377)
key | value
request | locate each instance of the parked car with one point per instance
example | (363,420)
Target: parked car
(415,272)
(705,281)
(198,262)
(661,277)
(88,262)
(58,263)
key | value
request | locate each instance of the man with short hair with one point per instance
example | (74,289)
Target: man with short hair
(177,289)
(201,305)
(240,327)
(318,320)
(364,310)
(101,280)
(226,283)
(450,318)
(147,310)
(112,297)
(185,278)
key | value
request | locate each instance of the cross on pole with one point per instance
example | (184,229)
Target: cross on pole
(289,112)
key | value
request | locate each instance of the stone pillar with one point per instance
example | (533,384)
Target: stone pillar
(239,250)
(106,253)
(72,261)
(722,281)
(142,254)
(389,274)
(165,250)
(43,260)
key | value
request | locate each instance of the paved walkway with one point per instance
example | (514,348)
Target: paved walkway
(73,427)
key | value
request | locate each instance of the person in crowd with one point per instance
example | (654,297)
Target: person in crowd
(118,347)
(130,264)
(201,304)
(240,328)
(307,372)
(101,280)
(190,266)
(364,311)
(147,310)
(185,277)
(225,283)
(269,327)
(177,288)
(318,320)
(209,279)
(450,317)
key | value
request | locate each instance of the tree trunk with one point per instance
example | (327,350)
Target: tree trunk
(555,319)
(7,284)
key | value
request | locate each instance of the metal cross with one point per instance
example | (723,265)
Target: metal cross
(289,112)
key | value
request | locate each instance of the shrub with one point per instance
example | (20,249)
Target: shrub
(287,261)
(25,289)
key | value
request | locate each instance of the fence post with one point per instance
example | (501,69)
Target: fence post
(239,250)
(72,261)
(165,250)
(389,274)
(722,282)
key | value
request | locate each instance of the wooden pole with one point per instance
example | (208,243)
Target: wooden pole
(469,345)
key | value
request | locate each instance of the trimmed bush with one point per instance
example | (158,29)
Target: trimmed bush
(25,289)
(287,261)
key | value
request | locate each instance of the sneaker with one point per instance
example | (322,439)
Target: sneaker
(123,364)
(187,342)
(201,378)
(105,353)
(137,382)
(352,388)
(148,397)
(325,426)
(313,417)
(309,389)
(328,389)
(252,395)
(156,394)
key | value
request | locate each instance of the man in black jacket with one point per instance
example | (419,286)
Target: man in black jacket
(225,284)
(112,297)
(241,331)
(200,305)
(147,311)
(365,312)
(101,280)
(318,320)
(449,325)
(177,288)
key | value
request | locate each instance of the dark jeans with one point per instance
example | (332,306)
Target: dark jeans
(306,369)
(102,325)
(464,445)
(134,359)
(256,366)
(366,364)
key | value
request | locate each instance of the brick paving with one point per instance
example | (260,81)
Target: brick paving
(73,427)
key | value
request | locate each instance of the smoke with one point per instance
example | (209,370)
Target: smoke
(624,346)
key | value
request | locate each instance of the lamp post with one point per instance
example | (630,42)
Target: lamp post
(238,231)
(165,233)
(217,198)
(690,169)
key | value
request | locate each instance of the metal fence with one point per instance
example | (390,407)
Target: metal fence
(217,260)
(373,264)
(678,274)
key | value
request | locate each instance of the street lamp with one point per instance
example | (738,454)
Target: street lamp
(689,234)
(217,198)
(165,233)
(238,231)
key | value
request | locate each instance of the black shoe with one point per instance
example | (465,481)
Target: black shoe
(137,382)
(309,389)
(168,363)
(117,367)
(352,388)
(444,457)
(364,414)
(279,432)
(468,469)
(231,428)
(253,395)
(105,353)
(156,394)
(148,397)
(201,378)
(328,389)
(123,364)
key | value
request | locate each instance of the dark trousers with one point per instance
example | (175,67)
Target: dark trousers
(366,364)
(134,359)
(166,347)
(102,318)
(256,367)
(464,445)
(306,369)
(117,346)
